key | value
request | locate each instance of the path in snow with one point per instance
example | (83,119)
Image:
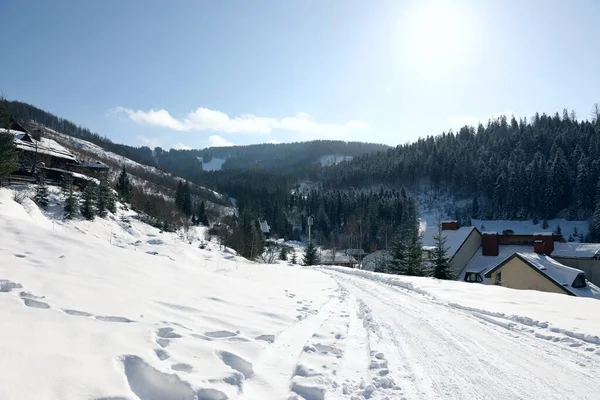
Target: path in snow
(437,350)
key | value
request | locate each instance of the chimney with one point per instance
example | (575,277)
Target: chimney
(489,244)
(543,243)
(450,225)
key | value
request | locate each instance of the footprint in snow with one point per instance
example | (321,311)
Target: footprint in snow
(220,334)
(35,304)
(20,255)
(77,313)
(6,286)
(111,318)
(182,367)
(162,355)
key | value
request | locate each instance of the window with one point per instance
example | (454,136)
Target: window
(473,277)
(579,282)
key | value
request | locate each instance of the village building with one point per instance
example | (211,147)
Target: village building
(36,151)
(536,271)
(341,258)
(462,243)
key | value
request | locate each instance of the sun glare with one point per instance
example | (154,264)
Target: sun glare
(435,36)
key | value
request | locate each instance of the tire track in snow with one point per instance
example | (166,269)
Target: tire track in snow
(441,352)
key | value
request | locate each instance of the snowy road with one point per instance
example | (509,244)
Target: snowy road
(411,345)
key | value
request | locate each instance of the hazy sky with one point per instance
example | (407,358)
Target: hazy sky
(197,73)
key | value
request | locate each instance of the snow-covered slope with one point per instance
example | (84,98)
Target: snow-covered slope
(333,159)
(216,164)
(115,309)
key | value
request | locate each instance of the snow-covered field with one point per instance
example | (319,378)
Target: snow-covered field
(216,164)
(114,309)
(333,159)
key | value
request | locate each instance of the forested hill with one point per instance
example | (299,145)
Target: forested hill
(285,158)
(545,167)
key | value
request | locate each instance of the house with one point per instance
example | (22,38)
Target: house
(265,228)
(535,271)
(35,150)
(583,256)
(498,247)
(331,257)
(358,254)
(94,169)
(377,260)
(462,243)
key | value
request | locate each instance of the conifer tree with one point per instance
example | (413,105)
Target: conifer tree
(202,217)
(124,186)
(294,258)
(441,263)
(105,200)
(87,201)
(41,190)
(310,254)
(71,202)
(8,152)
(187,207)
(283,254)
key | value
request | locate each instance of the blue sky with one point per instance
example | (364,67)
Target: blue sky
(199,73)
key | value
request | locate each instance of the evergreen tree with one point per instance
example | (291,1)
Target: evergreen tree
(475,208)
(71,202)
(283,254)
(41,190)
(124,187)
(105,200)
(310,254)
(202,217)
(399,256)
(558,230)
(186,206)
(441,263)
(8,152)
(294,258)
(88,198)
(179,196)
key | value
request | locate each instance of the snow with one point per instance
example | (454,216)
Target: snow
(115,309)
(44,146)
(482,264)
(216,164)
(576,250)
(527,227)
(333,159)
(454,238)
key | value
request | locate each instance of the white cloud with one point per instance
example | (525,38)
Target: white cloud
(273,142)
(218,141)
(204,119)
(458,122)
(181,146)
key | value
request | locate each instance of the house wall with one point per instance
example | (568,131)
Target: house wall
(466,251)
(518,275)
(591,267)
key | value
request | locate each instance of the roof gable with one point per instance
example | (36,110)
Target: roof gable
(560,275)
(454,238)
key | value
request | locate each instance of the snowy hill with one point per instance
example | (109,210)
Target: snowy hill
(115,309)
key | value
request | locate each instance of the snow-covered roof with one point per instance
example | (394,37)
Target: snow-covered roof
(561,274)
(94,164)
(543,233)
(355,252)
(44,146)
(454,238)
(371,260)
(326,257)
(482,264)
(264,227)
(576,250)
